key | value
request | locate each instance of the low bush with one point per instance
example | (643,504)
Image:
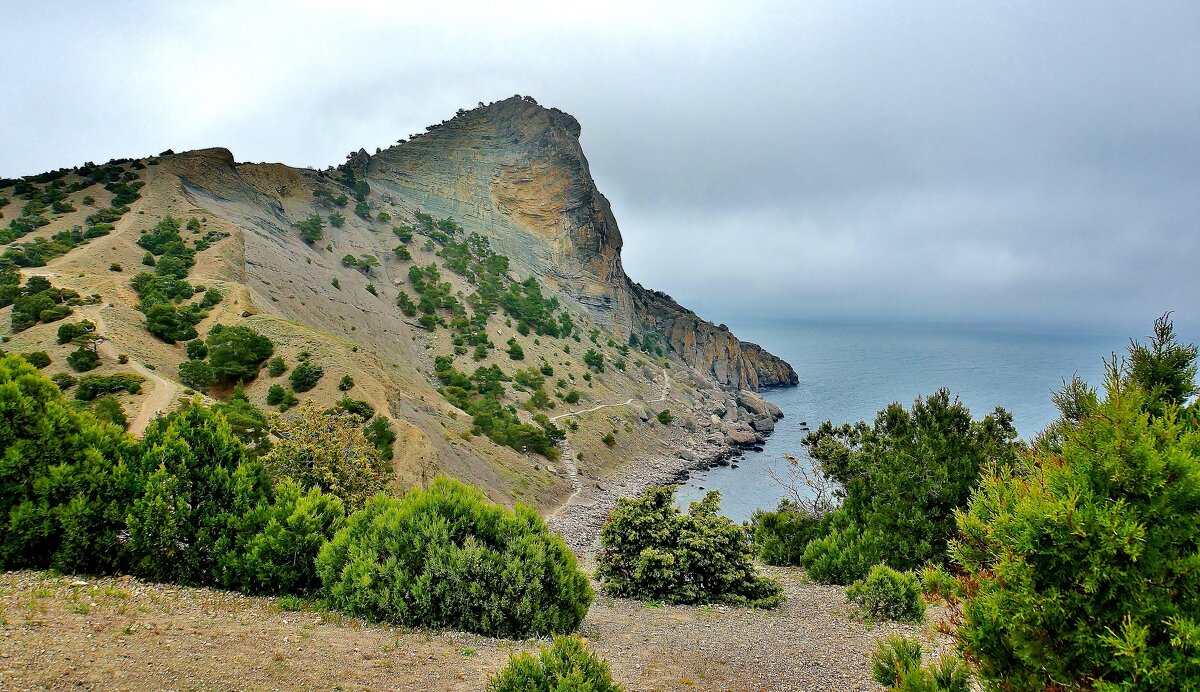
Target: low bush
(327,449)
(653,552)
(446,557)
(305,376)
(38,359)
(564,665)
(64,478)
(889,594)
(780,536)
(64,380)
(896,664)
(83,359)
(280,555)
(276,366)
(841,557)
(109,410)
(92,386)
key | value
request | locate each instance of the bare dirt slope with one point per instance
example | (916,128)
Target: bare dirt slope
(114,633)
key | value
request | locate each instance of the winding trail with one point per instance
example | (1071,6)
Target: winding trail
(568,458)
(161,396)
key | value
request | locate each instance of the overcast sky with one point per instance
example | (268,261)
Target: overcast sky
(1008,161)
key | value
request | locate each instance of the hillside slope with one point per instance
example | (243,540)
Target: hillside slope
(526,276)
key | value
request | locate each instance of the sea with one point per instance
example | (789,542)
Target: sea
(849,371)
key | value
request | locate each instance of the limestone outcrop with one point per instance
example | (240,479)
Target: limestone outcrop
(516,172)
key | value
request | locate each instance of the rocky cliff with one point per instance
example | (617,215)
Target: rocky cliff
(517,172)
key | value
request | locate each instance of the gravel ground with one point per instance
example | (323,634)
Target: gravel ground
(124,634)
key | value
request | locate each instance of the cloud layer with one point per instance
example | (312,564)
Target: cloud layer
(1007,161)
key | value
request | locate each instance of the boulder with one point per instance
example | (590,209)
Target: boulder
(741,438)
(758,405)
(763,424)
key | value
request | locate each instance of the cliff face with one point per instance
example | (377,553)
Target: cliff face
(516,172)
(713,350)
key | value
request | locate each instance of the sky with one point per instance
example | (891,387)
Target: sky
(996,162)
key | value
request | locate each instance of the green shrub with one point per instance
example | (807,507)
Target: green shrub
(1083,570)
(904,476)
(276,366)
(380,433)
(446,557)
(109,410)
(346,383)
(889,594)
(198,485)
(841,557)
(311,227)
(665,417)
(305,376)
(83,359)
(247,421)
(896,664)
(197,374)
(275,394)
(329,450)
(337,220)
(92,386)
(564,665)
(38,359)
(651,551)
(780,537)
(280,555)
(64,478)
(515,351)
(64,380)
(196,349)
(237,352)
(70,331)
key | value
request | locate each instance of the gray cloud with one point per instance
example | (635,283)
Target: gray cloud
(988,161)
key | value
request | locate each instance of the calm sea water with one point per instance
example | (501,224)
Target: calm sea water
(850,371)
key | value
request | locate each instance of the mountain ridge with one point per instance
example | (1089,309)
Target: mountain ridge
(507,181)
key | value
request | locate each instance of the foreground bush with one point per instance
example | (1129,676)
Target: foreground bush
(284,538)
(886,593)
(780,536)
(64,477)
(842,557)
(564,665)
(1085,572)
(448,558)
(896,664)
(652,551)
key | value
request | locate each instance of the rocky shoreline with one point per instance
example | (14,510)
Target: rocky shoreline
(748,420)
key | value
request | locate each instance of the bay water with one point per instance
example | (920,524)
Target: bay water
(849,371)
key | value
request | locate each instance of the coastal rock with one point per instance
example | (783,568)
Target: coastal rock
(764,424)
(741,438)
(757,405)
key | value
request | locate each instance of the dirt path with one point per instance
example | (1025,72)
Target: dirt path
(568,459)
(163,391)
